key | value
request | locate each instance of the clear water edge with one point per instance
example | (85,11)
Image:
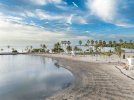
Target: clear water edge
(26,77)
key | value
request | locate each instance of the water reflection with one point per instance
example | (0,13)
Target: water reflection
(24,77)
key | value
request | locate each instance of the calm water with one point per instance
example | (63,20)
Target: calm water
(24,77)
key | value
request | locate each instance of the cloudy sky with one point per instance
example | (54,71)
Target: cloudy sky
(49,21)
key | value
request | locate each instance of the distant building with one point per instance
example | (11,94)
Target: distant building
(127,55)
(130,63)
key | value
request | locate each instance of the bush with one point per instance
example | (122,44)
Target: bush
(14,51)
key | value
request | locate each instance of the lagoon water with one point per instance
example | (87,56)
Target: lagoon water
(25,77)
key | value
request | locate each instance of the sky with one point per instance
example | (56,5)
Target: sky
(25,22)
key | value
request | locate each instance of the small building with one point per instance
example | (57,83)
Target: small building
(126,55)
(130,63)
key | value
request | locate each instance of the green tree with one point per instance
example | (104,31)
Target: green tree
(121,41)
(114,43)
(80,42)
(96,42)
(88,42)
(118,51)
(31,47)
(2,49)
(110,43)
(104,43)
(92,42)
(41,45)
(57,48)
(44,46)
(100,43)
(68,42)
(77,49)
(8,47)
(69,48)
(13,49)
(131,41)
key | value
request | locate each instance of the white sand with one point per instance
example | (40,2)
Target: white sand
(94,81)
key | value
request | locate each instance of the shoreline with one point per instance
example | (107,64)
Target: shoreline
(84,58)
(11,53)
(93,80)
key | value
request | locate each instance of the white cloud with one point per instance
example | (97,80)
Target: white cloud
(45,15)
(123,24)
(11,18)
(105,9)
(76,19)
(63,7)
(16,33)
(121,36)
(109,11)
(29,13)
(21,33)
(75,4)
(69,19)
(79,20)
(63,18)
(82,37)
(44,2)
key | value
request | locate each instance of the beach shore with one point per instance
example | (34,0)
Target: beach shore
(93,80)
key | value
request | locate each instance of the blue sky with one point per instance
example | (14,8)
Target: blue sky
(49,21)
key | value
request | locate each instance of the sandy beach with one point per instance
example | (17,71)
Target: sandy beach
(93,80)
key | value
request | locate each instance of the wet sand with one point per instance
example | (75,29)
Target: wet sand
(94,81)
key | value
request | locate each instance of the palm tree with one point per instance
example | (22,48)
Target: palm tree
(100,42)
(88,42)
(62,42)
(41,45)
(110,43)
(80,42)
(97,50)
(8,47)
(121,41)
(131,41)
(68,42)
(31,47)
(104,44)
(75,48)
(96,42)
(57,46)
(92,42)
(69,48)
(114,42)
(44,46)
(13,49)
(26,49)
(118,51)
(1,49)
